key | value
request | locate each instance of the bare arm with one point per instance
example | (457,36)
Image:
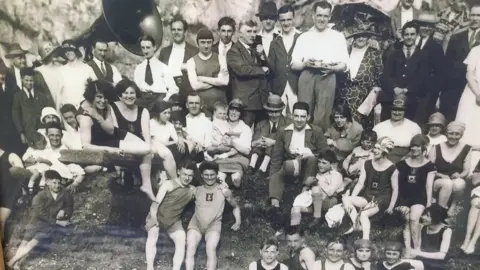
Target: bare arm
(85,125)
(308,258)
(444,247)
(394,181)
(145,125)
(361,182)
(162,191)
(466,165)
(236,207)
(222,77)
(15,160)
(430,178)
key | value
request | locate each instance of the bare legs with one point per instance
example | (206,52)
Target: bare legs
(365,213)
(194,237)
(411,231)
(444,188)
(473,227)
(178,238)
(457,193)
(22,251)
(4,214)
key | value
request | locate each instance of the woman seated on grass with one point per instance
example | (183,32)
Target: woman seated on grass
(435,239)
(378,185)
(98,131)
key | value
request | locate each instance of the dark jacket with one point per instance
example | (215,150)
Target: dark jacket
(398,71)
(263,128)
(314,139)
(457,51)
(433,56)
(9,138)
(215,47)
(249,82)
(45,207)
(279,59)
(26,112)
(39,82)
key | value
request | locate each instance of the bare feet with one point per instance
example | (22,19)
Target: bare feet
(349,231)
(452,211)
(470,249)
(464,245)
(149,193)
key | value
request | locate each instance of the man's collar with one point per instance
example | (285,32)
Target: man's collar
(244,45)
(203,57)
(292,127)
(226,44)
(189,115)
(179,45)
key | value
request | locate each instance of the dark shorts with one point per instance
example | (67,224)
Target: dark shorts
(412,200)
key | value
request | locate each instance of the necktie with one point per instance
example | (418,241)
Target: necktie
(471,40)
(102,66)
(274,128)
(225,49)
(148,74)
(30,94)
(421,43)
(409,52)
(252,53)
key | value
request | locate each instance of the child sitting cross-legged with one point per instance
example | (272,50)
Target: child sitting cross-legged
(269,253)
(51,207)
(324,188)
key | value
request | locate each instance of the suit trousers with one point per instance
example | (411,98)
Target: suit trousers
(251,117)
(449,103)
(276,185)
(319,93)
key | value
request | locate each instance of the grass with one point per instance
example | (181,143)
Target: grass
(108,233)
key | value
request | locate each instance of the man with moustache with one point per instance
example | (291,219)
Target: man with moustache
(458,48)
(103,70)
(318,67)
(283,80)
(433,56)
(404,13)
(208,73)
(268,16)
(152,76)
(403,74)
(249,81)
(75,74)
(177,54)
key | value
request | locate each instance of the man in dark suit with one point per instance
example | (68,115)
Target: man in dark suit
(433,56)
(265,133)
(295,151)
(402,14)
(458,48)
(13,79)
(9,138)
(27,106)
(177,54)
(249,81)
(283,80)
(403,74)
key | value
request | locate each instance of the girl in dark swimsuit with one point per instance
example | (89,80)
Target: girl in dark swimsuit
(98,132)
(415,183)
(362,255)
(452,159)
(378,186)
(435,239)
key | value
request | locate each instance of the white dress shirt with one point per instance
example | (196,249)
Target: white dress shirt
(18,77)
(199,127)
(330,46)
(401,133)
(175,61)
(116,74)
(267,39)
(224,48)
(163,81)
(288,39)
(356,57)
(297,143)
(406,15)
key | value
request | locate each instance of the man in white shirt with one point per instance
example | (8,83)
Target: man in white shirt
(152,76)
(283,80)
(317,81)
(75,74)
(399,129)
(177,54)
(103,70)
(226,30)
(268,16)
(198,126)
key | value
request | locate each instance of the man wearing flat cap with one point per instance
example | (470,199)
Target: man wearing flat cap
(17,57)
(294,152)
(265,133)
(208,73)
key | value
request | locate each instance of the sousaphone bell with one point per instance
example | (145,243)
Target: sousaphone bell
(125,21)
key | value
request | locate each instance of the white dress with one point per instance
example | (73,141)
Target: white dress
(468,110)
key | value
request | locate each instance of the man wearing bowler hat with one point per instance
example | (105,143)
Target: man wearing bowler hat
(434,58)
(265,134)
(268,16)
(17,57)
(294,153)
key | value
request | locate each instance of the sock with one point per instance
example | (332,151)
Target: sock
(317,205)
(253,160)
(296,218)
(265,162)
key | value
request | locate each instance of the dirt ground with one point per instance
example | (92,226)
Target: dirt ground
(107,233)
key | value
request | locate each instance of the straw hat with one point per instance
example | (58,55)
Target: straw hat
(274,103)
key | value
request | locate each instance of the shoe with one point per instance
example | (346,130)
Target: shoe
(250,171)
(315,224)
(262,175)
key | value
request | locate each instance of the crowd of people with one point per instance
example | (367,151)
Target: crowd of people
(359,130)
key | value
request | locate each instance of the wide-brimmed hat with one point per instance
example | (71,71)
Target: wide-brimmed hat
(436,119)
(268,9)
(15,50)
(426,18)
(362,33)
(400,102)
(47,50)
(48,111)
(274,103)
(69,45)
